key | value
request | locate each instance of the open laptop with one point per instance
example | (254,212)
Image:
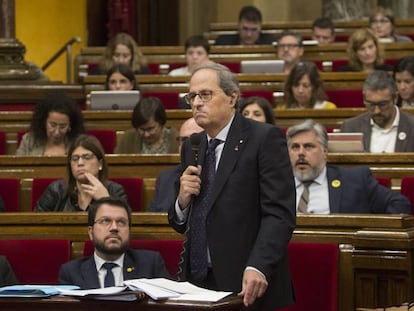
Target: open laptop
(262,66)
(345,142)
(114,100)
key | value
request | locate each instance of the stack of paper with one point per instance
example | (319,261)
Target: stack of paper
(160,288)
(34,291)
(108,293)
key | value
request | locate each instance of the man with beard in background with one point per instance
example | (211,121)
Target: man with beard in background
(109,223)
(333,189)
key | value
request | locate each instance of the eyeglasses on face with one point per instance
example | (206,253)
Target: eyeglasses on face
(205,96)
(288,46)
(249,29)
(62,127)
(106,222)
(380,105)
(84,157)
(380,21)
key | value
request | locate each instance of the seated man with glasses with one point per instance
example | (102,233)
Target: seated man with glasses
(113,262)
(164,190)
(289,49)
(87,180)
(385,127)
(249,30)
(149,134)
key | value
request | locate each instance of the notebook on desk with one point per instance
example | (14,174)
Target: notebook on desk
(262,66)
(114,100)
(345,142)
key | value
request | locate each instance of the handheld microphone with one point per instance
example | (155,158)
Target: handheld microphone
(195,140)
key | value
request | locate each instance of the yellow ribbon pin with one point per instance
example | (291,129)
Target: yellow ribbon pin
(336,183)
(129,269)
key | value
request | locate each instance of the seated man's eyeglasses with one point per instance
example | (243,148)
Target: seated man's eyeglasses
(288,46)
(380,21)
(380,105)
(205,96)
(251,29)
(106,222)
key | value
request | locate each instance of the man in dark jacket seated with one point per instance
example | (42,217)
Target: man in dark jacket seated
(249,31)
(326,189)
(113,262)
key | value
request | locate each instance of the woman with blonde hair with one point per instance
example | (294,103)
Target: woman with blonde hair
(122,49)
(364,52)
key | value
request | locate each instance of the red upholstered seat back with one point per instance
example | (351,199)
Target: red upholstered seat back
(169,249)
(134,190)
(407,189)
(346,98)
(262,93)
(36,261)
(3,143)
(170,100)
(10,193)
(384,181)
(39,185)
(106,137)
(314,270)
(234,67)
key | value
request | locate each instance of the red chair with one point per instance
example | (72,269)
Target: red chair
(170,250)
(346,98)
(384,181)
(407,189)
(170,100)
(36,261)
(106,137)
(10,193)
(234,67)
(314,270)
(3,143)
(134,190)
(39,186)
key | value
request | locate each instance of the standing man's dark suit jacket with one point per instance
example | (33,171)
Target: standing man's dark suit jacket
(405,135)
(252,210)
(234,39)
(7,276)
(164,189)
(355,190)
(82,271)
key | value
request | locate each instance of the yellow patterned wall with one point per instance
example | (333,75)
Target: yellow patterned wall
(44,26)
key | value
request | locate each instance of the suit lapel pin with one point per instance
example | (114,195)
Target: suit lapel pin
(402,135)
(336,183)
(130,269)
(237,146)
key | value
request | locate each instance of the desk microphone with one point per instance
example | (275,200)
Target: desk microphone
(195,140)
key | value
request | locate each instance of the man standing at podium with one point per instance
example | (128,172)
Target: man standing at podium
(236,198)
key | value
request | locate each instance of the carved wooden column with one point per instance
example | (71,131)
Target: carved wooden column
(12,64)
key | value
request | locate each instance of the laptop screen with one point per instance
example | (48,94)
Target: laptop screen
(262,66)
(345,142)
(114,100)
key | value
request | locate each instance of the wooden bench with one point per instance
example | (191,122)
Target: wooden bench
(165,55)
(375,251)
(395,166)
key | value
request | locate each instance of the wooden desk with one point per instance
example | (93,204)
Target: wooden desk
(71,304)
(376,251)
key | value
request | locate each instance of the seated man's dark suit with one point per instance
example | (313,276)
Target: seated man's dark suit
(165,192)
(234,39)
(7,276)
(362,123)
(355,190)
(82,271)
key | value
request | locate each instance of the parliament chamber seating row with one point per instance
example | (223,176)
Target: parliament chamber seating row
(23,181)
(321,265)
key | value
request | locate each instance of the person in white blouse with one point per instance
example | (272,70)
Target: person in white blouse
(197,51)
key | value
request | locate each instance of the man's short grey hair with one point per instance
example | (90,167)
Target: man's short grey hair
(379,80)
(227,80)
(306,126)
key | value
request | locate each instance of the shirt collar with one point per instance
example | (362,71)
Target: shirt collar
(318,180)
(222,135)
(100,261)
